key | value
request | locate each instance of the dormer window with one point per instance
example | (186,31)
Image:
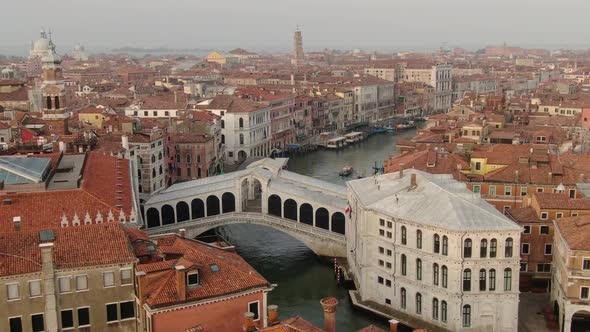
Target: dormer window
(192,278)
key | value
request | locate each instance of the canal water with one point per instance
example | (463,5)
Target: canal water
(302,278)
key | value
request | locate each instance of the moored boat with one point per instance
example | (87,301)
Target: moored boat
(346,171)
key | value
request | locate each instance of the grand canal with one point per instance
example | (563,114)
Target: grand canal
(302,277)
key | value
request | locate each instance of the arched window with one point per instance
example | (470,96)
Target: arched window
(493,248)
(445,276)
(466,315)
(241,138)
(418,269)
(492,280)
(222,139)
(508,247)
(483,248)
(419,239)
(507,280)
(188,158)
(436,242)
(435,308)
(403,298)
(222,124)
(241,122)
(153,172)
(153,158)
(445,245)
(48,99)
(467,244)
(160,170)
(443,311)
(482,280)
(467,280)
(418,303)
(160,155)
(178,157)
(404,265)
(56,99)
(435,274)
(404,235)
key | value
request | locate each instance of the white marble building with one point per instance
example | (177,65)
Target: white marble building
(433,252)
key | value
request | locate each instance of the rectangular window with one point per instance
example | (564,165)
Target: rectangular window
(559,215)
(388,283)
(388,265)
(387,301)
(492,191)
(381,222)
(572,193)
(476,189)
(524,267)
(540,189)
(526,247)
(192,278)
(586,264)
(527,229)
(16,324)
(381,262)
(381,232)
(523,191)
(37,323)
(389,224)
(543,267)
(548,248)
(13,291)
(81,283)
(544,229)
(380,280)
(67,319)
(478,166)
(112,313)
(65,284)
(584,293)
(544,216)
(126,277)
(507,190)
(127,310)
(108,279)
(381,250)
(389,235)
(253,307)
(83,317)
(389,252)
(34,288)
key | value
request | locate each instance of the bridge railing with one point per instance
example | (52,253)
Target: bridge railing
(248,217)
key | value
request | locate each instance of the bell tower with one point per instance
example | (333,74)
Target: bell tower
(53,91)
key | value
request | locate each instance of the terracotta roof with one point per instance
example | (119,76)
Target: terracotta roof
(74,247)
(524,215)
(17,95)
(90,110)
(561,201)
(294,324)
(234,104)
(233,275)
(575,231)
(102,191)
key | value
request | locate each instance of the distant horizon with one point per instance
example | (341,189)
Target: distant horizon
(264,25)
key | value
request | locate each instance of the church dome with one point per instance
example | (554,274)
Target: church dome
(41,45)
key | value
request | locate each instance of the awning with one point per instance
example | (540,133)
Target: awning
(300,135)
(293,146)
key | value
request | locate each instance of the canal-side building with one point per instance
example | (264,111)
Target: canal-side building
(433,253)
(193,286)
(570,286)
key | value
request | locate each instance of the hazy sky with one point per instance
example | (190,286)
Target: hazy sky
(268,24)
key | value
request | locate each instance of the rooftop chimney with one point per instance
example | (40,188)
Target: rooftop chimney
(140,286)
(273,315)
(182,233)
(549,177)
(413,180)
(249,322)
(401,170)
(48,275)
(393,325)
(16,221)
(62,147)
(329,305)
(125,142)
(181,282)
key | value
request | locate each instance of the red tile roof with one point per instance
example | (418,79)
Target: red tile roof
(103,190)
(234,275)
(561,201)
(74,247)
(575,231)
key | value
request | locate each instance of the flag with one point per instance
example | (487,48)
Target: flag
(348,210)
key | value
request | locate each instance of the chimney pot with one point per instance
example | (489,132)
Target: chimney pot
(413,180)
(182,232)
(401,170)
(329,305)
(273,314)
(249,322)
(393,325)
(181,282)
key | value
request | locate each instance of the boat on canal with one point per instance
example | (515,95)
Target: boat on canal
(354,137)
(346,171)
(405,126)
(336,142)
